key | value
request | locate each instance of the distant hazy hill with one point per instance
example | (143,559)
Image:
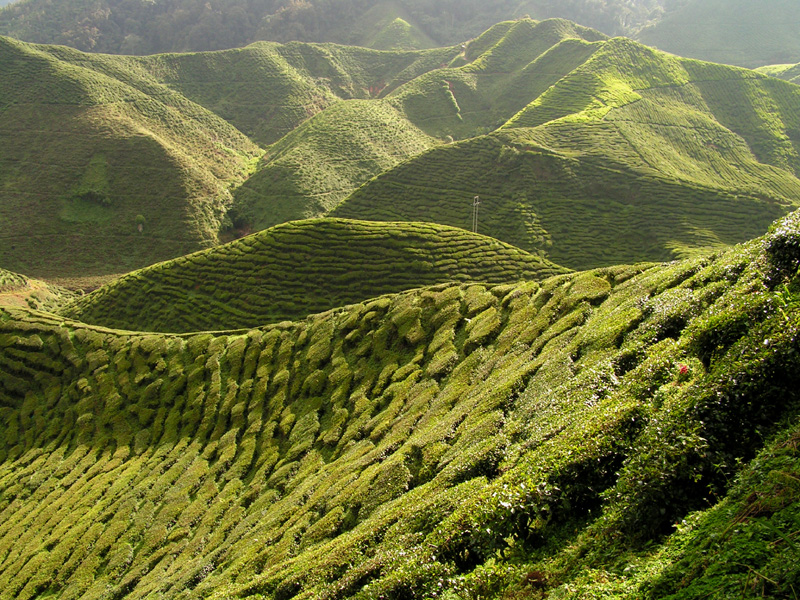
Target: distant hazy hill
(629,433)
(301,268)
(737,32)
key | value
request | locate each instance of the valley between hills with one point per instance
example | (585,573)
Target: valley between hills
(515,318)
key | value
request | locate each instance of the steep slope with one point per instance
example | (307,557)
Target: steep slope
(632,154)
(18,290)
(460,441)
(99,176)
(297,269)
(736,32)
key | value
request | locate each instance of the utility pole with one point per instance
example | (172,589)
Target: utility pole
(476,202)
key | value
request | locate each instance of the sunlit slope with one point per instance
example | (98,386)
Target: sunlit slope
(735,32)
(268,89)
(100,176)
(311,170)
(634,154)
(498,74)
(461,440)
(18,290)
(787,72)
(300,268)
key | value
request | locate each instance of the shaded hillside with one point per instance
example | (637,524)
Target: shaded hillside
(101,176)
(787,72)
(632,154)
(736,32)
(297,269)
(18,290)
(629,432)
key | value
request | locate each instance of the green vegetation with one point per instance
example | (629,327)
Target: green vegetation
(299,268)
(87,152)
(18,290)
(787,72)
(119,162)
(311,170)
(627,432)
(625,153)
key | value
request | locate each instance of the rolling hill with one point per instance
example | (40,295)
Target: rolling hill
(628,432)
(113,163)
(624,153)
(100,175)
(300,268)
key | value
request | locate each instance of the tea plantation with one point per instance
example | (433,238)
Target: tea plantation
(631,154)
(299,268)
(627,432)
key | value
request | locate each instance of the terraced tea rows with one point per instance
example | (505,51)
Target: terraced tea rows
(301,268)
(18,290)
(456,441)
(786,72)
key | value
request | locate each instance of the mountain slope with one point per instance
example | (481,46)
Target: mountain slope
(632,154)
(297,269)
(99,176)
(456,442)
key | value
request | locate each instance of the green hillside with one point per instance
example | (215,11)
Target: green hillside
(101,175)
(630,432)
(312,169)
(299,268)
(18,290)
(736,32)
(786,72)
(624,154)
(100,146)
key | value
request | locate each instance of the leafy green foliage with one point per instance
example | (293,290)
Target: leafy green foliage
(300,268)
(574,437)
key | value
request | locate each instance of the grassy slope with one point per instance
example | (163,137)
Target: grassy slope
(99,140)
(84,154)
(311,170)
(18,290)
(626,154)
(459,440)
(297,269)
(737,32)
(787,72)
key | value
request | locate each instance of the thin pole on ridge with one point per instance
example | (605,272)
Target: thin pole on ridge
(476,202)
